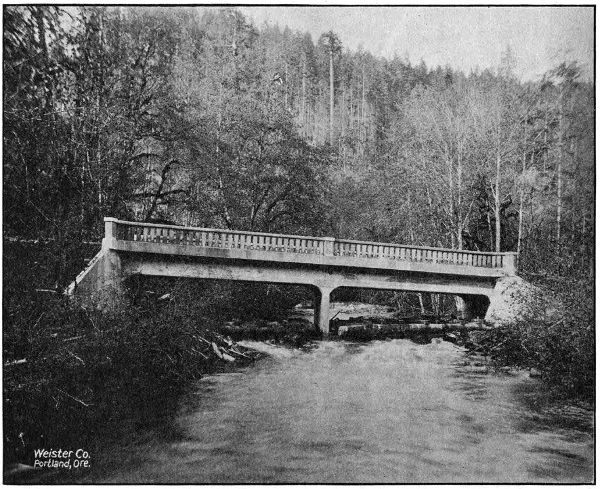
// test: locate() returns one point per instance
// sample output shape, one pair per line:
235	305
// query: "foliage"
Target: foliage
561	346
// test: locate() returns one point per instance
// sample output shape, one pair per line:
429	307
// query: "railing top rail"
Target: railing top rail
315	238
213	230
495	253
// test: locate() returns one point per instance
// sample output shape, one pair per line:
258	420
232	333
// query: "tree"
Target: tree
331	42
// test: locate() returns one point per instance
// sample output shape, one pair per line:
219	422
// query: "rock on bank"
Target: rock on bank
515	299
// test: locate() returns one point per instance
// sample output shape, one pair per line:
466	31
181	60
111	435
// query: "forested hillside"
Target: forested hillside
198	117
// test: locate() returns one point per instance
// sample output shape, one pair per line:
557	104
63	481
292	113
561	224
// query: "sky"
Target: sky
466	38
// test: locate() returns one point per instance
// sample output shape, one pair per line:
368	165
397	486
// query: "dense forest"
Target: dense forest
198	117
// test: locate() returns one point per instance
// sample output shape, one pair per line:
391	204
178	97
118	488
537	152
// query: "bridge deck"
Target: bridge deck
277	248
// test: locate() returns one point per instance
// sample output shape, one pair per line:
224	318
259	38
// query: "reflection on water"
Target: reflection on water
386	411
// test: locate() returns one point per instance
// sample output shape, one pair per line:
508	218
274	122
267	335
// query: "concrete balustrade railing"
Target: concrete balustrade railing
365	249
280	243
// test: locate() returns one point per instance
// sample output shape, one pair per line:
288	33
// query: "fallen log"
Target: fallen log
363	329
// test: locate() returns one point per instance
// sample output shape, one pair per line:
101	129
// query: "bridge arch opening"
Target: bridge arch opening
418	304
228	300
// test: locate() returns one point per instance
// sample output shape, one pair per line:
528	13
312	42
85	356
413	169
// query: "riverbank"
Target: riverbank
84	376
559	347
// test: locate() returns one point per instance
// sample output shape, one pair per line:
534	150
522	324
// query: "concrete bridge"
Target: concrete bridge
324	264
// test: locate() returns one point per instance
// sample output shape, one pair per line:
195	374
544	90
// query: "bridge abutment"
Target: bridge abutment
110	282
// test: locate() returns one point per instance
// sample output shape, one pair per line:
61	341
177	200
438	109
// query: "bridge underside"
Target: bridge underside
323	278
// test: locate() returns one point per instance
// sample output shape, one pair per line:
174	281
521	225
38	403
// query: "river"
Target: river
385	411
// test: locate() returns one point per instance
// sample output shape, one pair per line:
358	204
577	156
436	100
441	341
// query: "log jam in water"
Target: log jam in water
385	411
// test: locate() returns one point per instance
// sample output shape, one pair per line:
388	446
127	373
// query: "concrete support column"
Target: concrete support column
322	300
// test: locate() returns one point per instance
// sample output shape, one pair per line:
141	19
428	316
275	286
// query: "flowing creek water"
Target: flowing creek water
384	411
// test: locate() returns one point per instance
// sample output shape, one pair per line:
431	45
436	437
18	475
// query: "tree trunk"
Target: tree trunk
497	202
362	125
331	96
304	118
459	216
285	88
559	180
421	303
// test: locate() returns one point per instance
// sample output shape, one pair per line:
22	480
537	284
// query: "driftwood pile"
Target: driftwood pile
211	346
